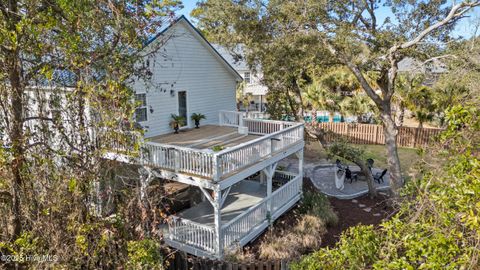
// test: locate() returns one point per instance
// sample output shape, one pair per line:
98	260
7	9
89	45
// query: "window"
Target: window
141	110
246	77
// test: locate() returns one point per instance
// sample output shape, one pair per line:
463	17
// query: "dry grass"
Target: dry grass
306	235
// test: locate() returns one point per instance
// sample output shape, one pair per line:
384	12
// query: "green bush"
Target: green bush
437	225
317	204
356	250
144	254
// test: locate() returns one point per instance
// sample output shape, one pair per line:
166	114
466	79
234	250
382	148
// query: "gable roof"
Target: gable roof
202	39
238	64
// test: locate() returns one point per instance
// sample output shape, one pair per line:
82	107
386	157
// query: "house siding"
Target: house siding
186	63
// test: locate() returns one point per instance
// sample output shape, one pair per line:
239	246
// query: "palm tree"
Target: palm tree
317	97
357	105
420	102
405	84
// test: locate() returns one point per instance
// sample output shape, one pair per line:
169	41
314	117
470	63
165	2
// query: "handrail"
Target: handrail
175	218
270	121
183	148
246	212
262	138
289	183
211	164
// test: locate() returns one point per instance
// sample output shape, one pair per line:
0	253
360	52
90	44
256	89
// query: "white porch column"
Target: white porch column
262	177
299	155
269	171
217	205
269	193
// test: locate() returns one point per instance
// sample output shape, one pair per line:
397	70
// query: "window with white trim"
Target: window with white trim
141	110
247	77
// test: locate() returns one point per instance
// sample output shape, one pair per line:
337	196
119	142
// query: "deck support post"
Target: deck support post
299	155
218	221
262	177
269	171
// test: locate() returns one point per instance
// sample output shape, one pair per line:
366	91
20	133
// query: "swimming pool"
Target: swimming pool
324	119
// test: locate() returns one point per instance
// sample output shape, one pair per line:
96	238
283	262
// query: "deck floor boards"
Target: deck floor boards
204	137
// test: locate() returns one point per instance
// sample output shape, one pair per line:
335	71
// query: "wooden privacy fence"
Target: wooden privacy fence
184	262
373	134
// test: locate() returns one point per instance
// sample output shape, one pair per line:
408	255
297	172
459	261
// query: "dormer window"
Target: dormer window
247	77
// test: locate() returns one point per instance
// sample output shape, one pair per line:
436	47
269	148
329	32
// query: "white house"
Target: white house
252	80
189	76
231	159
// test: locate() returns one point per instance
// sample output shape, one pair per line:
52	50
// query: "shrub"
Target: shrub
437	224
317	204
310	230
305	236
144	254
356	250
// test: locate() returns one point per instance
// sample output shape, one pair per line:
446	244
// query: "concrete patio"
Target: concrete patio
322	175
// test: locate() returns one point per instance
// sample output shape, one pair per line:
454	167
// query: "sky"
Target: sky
463	28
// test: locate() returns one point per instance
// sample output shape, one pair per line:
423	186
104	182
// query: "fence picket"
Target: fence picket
373	134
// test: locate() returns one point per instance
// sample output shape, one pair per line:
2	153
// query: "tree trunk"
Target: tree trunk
319	134
372	191
401	116
17	138
314	116
420	124
390	131
330	117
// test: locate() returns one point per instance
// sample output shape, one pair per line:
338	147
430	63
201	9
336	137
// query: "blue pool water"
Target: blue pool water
324	119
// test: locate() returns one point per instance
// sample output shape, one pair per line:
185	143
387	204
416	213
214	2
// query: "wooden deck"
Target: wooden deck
242	196
204	137
248	211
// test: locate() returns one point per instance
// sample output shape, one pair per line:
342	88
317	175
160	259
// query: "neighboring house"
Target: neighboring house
189	76
252	81
432	70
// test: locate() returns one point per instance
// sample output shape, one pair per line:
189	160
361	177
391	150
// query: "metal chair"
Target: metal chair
379	176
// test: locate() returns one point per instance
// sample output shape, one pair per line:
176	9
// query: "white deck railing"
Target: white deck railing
241	226
180	159
238	229
192	233
248	153
285	193
230	118
276	136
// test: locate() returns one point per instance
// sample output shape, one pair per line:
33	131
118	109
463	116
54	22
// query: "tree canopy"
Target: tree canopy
289	38
65	69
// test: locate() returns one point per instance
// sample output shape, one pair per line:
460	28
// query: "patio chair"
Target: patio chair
379	176
370	162
350	176
339	164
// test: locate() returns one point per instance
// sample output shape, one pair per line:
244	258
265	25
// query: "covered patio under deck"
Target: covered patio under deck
246	212
241	197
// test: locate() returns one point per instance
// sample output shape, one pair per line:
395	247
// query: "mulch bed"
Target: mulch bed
350	214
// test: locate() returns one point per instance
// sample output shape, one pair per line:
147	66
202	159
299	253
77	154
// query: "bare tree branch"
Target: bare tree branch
456	12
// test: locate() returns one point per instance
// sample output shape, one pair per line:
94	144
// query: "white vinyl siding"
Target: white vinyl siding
185	63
